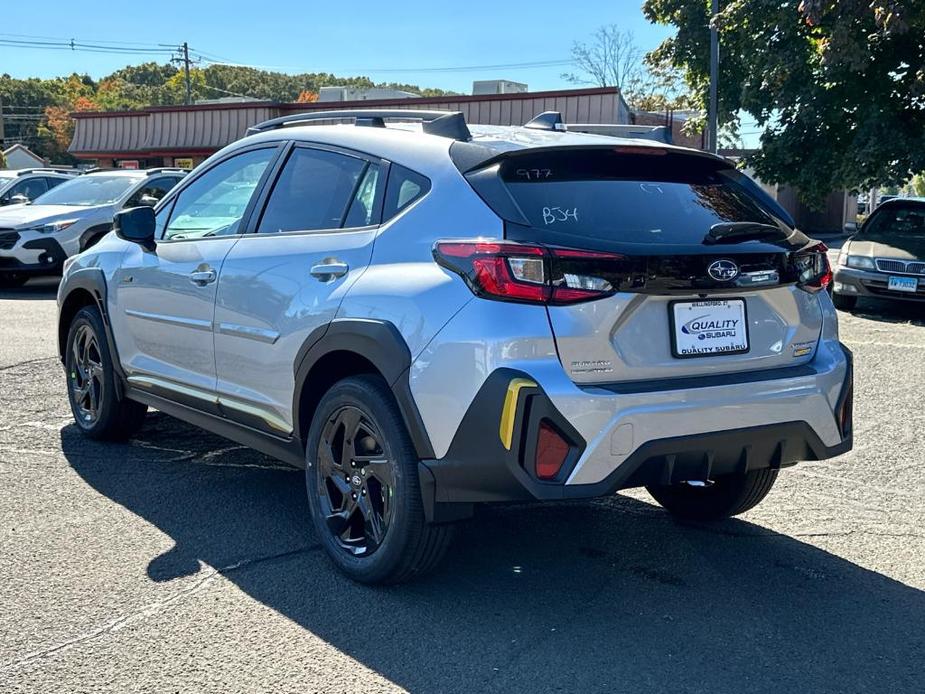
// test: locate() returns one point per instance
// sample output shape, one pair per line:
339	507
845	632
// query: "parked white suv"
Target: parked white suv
20	186
36	238
428	317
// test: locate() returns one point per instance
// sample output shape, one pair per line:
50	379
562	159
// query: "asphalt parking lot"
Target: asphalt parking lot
181	562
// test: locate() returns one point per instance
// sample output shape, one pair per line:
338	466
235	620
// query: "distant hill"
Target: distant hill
36	110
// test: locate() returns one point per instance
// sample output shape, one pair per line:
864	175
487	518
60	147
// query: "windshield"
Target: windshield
629	198
897	220
87	190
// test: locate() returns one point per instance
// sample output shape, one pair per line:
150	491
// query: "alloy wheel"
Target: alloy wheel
355	481
86	375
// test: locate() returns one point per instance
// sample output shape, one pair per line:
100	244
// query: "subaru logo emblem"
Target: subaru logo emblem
356	481
723	270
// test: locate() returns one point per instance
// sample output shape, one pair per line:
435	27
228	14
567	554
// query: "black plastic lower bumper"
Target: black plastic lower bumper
478	469
51	259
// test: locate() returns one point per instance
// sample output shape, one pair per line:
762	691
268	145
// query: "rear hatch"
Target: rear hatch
669	264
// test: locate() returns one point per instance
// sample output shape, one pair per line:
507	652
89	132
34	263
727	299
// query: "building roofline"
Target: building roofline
365	103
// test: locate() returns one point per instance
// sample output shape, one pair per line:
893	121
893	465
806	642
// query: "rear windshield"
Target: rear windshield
629	198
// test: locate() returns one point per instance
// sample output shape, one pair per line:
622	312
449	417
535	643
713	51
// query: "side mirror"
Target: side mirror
148	200
20	199
135	225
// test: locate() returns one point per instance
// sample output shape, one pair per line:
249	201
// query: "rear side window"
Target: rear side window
314	191
627	198
405	186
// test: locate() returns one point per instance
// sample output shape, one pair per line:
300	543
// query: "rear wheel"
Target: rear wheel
98	410
844	302
363	489
726	496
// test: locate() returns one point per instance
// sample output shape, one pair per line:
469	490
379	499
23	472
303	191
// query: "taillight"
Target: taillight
529	273
813	270
551	451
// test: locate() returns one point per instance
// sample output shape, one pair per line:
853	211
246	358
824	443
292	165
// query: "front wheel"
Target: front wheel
724	497
363	490
98	410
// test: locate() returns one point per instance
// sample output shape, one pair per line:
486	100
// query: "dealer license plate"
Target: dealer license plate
708	328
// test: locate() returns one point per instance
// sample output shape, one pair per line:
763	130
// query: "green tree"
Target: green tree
837	86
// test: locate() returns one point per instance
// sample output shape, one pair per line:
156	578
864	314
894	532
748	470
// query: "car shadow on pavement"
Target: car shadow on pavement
594	596
886	311
41	288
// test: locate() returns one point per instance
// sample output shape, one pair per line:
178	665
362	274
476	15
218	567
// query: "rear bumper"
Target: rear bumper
853	282
637	439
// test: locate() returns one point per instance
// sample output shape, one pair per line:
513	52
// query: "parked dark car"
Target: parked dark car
886	258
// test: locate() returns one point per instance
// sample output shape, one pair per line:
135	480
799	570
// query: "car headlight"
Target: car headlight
861	262
53	227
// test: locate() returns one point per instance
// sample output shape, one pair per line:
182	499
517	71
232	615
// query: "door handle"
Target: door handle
202	277
329	270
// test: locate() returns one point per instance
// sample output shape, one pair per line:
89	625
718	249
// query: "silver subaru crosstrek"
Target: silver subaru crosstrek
427	316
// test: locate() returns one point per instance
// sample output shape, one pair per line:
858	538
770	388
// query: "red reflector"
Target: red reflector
551	452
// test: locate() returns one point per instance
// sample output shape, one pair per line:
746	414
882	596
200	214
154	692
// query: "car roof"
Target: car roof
406	144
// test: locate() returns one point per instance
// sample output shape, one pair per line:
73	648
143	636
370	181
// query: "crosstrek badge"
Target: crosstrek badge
708	328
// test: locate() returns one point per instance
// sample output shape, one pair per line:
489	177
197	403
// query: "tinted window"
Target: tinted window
31	188
628	198
93	189
214	203
313	191
52	182
153	190
405	186
897	220
363	206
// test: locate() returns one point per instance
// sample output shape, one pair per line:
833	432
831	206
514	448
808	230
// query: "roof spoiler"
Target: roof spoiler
450	124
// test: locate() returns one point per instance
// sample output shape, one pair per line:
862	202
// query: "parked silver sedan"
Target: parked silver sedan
886	258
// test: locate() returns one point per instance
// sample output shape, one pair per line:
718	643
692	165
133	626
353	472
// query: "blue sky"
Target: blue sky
346	38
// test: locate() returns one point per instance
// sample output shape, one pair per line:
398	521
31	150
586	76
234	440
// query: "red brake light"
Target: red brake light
530	273
551	452
814	271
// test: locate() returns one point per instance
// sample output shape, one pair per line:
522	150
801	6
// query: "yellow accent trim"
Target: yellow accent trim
509	413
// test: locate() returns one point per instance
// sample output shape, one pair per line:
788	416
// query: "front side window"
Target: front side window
31	188
152	191
214	204
88	190
314	191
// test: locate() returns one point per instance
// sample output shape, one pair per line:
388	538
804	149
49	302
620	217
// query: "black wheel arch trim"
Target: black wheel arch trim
92	281
380	343
97	230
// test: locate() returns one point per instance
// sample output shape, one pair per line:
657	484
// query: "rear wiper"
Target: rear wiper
735	232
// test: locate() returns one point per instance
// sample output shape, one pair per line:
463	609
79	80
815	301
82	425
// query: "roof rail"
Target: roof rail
45	169
451	124
547	120
163	169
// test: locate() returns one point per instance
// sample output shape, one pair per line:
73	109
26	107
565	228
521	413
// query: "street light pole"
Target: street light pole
714	81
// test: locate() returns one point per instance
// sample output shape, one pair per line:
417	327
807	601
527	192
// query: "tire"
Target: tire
843	302
12	281
357	450
725	497
91	382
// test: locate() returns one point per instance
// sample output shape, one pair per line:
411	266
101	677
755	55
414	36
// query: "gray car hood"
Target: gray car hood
908	247
30	215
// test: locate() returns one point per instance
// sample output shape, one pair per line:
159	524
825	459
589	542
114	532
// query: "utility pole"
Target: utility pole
189	87
714	81
2	133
